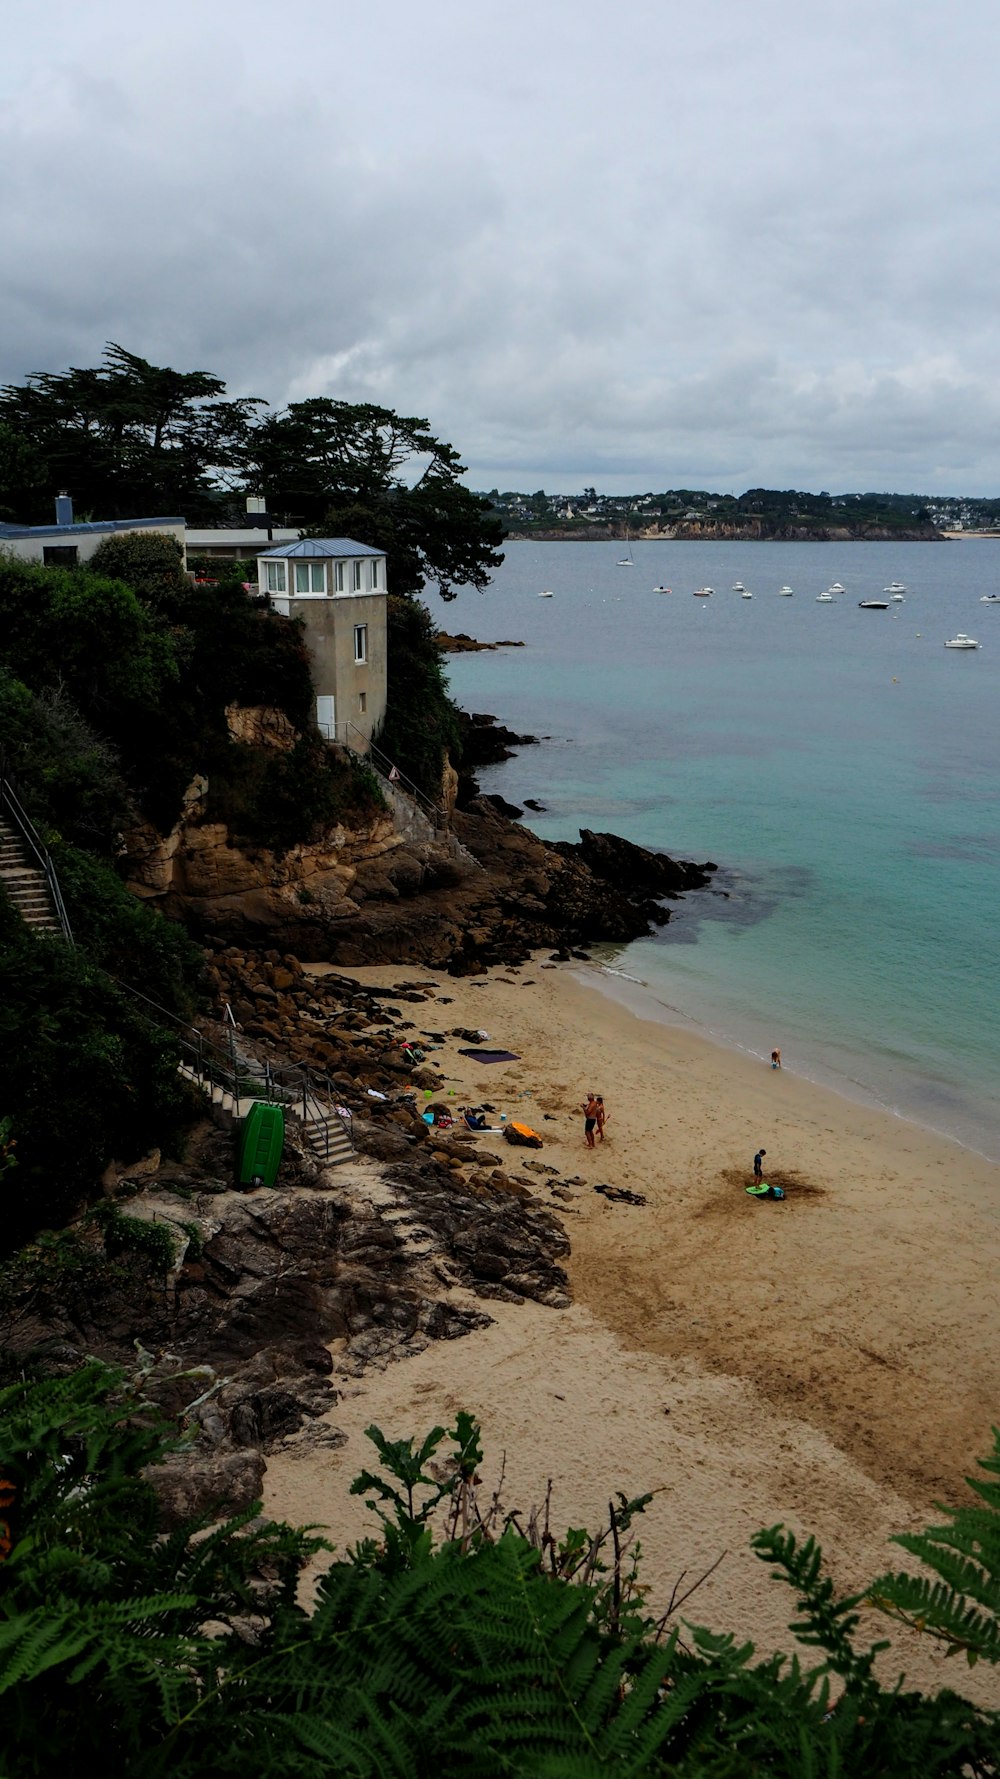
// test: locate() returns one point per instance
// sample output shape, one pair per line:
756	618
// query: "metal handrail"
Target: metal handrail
10	801
390	771
287	1084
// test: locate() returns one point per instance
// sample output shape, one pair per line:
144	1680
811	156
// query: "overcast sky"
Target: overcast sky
642	245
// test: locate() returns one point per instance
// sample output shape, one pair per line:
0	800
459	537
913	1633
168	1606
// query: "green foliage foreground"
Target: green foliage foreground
495	1651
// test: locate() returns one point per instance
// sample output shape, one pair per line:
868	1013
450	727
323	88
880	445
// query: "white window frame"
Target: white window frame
357	574
374	574
338	577
314	575
275	577
360	644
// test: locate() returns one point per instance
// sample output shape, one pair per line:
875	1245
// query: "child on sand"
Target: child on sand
775	1059
758	1164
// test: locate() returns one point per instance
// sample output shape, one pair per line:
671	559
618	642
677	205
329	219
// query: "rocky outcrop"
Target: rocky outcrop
647	873
463	644
482	891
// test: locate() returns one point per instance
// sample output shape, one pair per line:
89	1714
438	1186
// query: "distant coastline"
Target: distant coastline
753	532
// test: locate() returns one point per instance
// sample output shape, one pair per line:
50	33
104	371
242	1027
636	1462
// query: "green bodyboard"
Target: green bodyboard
262	1141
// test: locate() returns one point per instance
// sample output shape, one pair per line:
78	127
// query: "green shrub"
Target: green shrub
421	722
490	1652
85	1077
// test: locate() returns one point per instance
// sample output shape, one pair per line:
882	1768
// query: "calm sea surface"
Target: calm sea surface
841	766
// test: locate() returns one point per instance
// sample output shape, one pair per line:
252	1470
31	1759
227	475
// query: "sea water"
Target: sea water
839	765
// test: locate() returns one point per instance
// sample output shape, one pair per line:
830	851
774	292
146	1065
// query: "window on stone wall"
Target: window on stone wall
60	555
338	577
274	577
357	577
362	702
361	642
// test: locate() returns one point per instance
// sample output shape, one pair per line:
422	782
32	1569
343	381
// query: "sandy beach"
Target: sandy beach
828	1360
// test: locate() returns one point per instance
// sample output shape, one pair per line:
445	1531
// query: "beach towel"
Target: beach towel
523	1134
491	1055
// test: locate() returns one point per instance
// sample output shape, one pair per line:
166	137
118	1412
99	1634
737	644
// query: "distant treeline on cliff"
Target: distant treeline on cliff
693	513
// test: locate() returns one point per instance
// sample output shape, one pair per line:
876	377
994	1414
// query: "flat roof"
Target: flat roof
255	534
84	529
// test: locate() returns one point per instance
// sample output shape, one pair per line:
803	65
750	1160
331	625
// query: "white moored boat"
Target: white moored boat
547	594
704	592
746	593
786	592
873	605
961	641
894	587
738	587
990	599
835	587
662	589
825	599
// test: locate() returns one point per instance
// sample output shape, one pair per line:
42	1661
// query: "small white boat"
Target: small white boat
738	587
704	592
961	641
835	587
662	589
894	587
547	594
990	599
873	605
896	598
746	593
825	599
786	592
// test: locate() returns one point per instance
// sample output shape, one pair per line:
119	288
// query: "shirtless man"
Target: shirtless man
590	1109
602	1117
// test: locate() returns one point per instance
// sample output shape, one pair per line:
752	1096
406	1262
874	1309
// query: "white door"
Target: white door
326	720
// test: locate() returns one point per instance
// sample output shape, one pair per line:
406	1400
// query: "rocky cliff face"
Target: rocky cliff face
480	891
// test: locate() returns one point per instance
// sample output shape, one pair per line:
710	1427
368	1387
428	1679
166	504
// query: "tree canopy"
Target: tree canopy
130	439
127	439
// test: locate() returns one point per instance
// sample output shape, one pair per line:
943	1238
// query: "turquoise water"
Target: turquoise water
839	765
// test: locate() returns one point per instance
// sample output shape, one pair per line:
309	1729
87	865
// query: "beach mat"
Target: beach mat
491	1055
523	1134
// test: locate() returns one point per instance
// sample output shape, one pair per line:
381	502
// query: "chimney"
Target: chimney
64	509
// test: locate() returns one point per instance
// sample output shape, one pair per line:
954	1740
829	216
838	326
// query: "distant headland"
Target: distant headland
760	514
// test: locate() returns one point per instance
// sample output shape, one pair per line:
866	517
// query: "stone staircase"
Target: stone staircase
25	882
325	1134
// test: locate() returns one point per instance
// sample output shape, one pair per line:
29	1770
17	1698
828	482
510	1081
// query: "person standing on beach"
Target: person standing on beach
602	1117
589	1118
775	1059
758	1164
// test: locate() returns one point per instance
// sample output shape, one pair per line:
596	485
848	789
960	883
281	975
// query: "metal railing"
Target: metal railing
309	1094
12	805
351	736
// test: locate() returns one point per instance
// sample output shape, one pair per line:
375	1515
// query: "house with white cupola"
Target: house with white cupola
338	588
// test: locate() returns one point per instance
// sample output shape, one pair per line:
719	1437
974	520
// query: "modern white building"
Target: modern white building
338	588
66	544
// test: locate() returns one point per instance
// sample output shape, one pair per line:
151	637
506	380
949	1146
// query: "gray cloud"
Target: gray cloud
669	245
